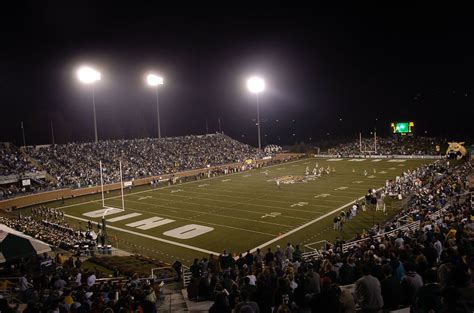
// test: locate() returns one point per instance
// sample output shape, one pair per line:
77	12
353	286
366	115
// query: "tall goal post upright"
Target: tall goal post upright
102	184
121	185
107	208
375	143
102	188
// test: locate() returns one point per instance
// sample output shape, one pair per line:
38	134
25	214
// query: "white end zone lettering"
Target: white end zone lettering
188	231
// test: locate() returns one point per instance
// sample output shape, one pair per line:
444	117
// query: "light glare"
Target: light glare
154	80
88	75
255	84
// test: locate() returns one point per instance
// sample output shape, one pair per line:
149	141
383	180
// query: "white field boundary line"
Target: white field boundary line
305	225
151	237
171	186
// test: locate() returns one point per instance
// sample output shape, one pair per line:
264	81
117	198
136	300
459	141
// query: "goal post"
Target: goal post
375	144
102	191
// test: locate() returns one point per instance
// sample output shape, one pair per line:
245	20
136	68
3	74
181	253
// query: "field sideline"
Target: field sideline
243	210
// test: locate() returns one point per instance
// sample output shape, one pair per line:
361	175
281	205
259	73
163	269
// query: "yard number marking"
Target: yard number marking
272	214
150	223
100	213
143	198
299	204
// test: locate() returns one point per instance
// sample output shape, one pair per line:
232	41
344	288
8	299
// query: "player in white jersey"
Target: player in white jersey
365	173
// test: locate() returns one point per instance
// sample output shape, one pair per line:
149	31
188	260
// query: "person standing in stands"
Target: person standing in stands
368	292
391	290
289	252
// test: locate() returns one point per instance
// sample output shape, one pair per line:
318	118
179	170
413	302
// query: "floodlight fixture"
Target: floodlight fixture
154	80
255	84
88	75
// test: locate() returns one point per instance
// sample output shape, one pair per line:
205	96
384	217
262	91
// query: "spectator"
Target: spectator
368	292
410	284
390	287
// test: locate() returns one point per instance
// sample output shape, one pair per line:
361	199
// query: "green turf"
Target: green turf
234	205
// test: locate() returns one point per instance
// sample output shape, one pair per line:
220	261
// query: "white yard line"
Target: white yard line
304	225
208	213
239	203
151	237
233	208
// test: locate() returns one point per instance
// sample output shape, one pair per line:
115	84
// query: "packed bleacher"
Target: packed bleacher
48	225
77	164
13	162
407	145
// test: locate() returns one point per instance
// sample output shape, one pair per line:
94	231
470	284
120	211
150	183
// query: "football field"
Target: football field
243	210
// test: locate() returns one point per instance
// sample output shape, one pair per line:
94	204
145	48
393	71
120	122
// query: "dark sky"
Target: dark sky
320	65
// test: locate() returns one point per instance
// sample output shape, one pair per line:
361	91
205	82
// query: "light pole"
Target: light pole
256	85
154	81
88	75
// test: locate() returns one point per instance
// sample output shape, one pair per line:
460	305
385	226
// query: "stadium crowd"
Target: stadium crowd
429	269
62	285
408	145
12	162
77	164
48	225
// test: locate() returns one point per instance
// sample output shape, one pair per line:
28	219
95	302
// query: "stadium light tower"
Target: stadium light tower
155	81
256	85
89	76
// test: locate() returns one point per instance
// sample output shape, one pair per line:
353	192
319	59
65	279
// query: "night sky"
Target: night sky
328	71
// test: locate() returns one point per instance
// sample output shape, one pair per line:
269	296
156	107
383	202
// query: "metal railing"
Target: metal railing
412	226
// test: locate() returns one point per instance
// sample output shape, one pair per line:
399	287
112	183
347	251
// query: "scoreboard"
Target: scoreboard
402	128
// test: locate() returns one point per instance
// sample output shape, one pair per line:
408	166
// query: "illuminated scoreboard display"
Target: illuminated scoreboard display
402	128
